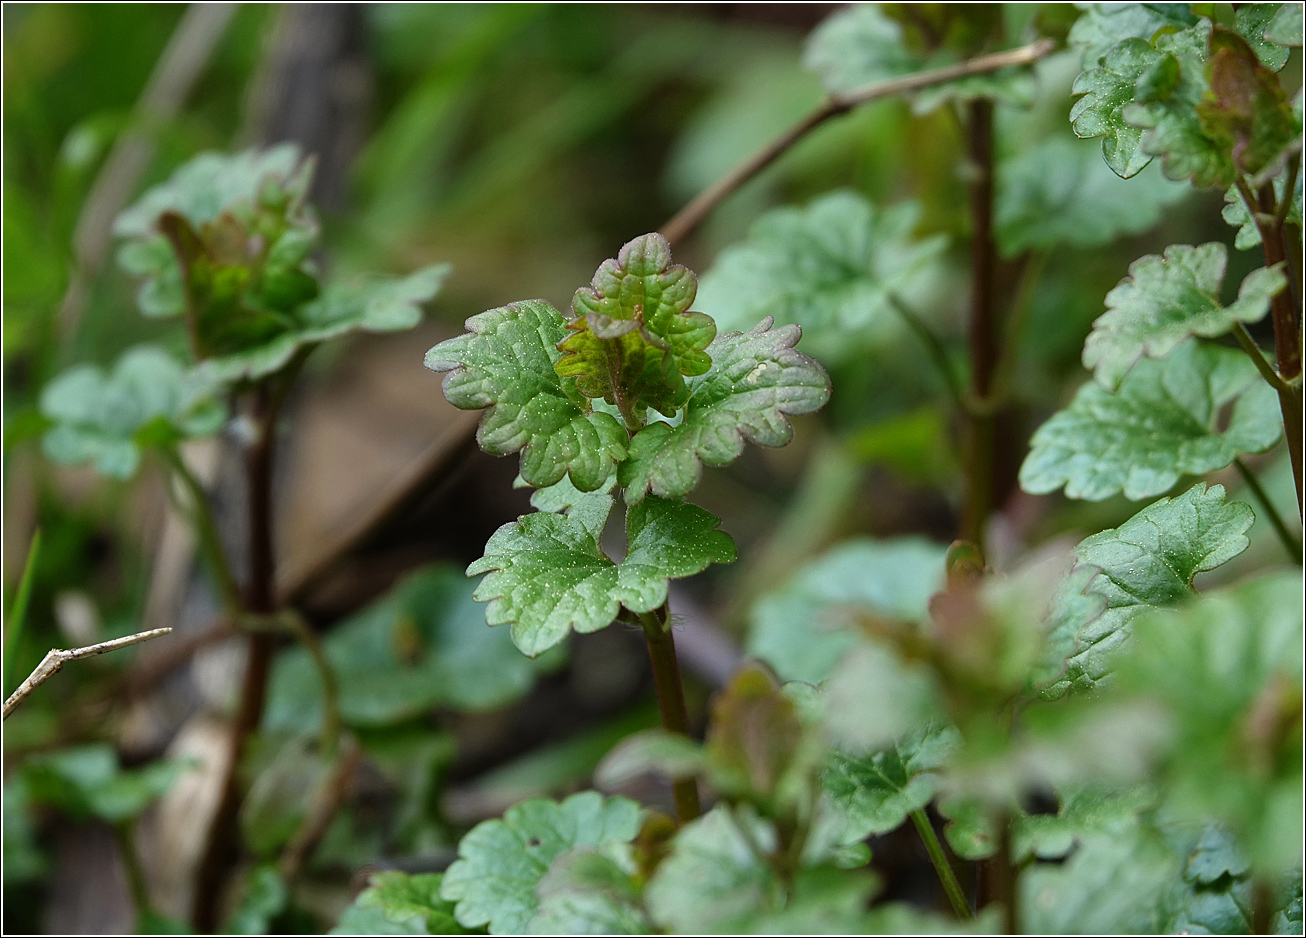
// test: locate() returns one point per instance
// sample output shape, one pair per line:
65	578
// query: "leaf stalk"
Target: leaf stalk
941	866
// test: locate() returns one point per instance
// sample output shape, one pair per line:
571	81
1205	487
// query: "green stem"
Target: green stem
1290	543
131	863
209	539
941	866
302	631
1258	359
671	700
18	614
1016	322
933	345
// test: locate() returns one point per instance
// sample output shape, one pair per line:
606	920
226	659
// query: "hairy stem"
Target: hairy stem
671	700
1290	543
985	329
941	866
222	847
688	218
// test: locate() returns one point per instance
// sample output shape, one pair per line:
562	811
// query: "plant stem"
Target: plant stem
671	700
1005	876
18	614
941	866
222	847
1286	317
688	218
981	428
131	862
1272	515
209	538
1258	358
938	354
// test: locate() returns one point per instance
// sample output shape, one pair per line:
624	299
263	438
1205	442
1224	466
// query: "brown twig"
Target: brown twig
689	217
178	68
56	658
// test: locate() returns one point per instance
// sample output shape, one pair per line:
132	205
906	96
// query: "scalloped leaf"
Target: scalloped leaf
505	362
406	903
500	862
1161	423
1107	90
634	337
1147	562
1252	21
877	792
1236	215
147	400
1061	192
861	45
1102	25
1166	299
378	304
587	893
547	574
829	267
1285	29
757	381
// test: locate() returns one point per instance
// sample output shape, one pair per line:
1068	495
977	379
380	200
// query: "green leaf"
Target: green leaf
669	754
861	46
1246	110
1161	423
264	896
423	645
1102	25
634	337
877	792
1083	811
1285	28
1113	884
1148	561
830	268
1253	21
1060	192
548	574
148	399
801	630
288	772
1167	298
401	903
757	381
587	893
825	900
713	881
1236	214
378	304
1107	90
1228	671
969	829
505	362
875	697
501	861
88	781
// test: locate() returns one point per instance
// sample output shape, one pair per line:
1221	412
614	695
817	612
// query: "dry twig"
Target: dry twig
56	658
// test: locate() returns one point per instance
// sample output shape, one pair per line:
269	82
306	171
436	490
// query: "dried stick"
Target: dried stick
689	217
56	658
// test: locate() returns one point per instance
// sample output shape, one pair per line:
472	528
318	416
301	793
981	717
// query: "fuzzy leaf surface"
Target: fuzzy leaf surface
1160	423
500	862
505	362
876	792
148	399
634	336
1107	90
1149	561
1167	298
547	574
829	267
757	381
